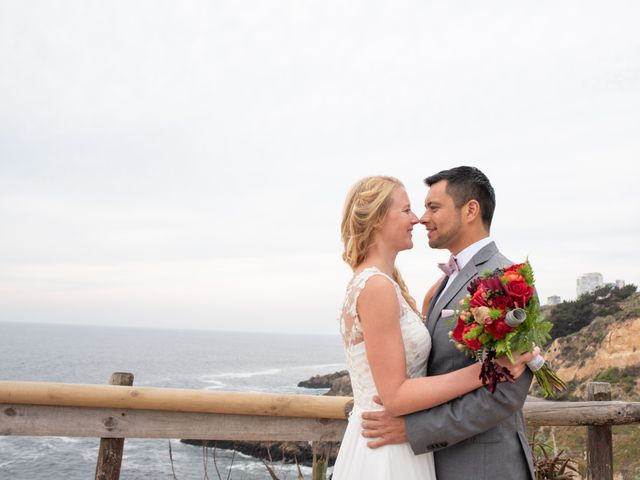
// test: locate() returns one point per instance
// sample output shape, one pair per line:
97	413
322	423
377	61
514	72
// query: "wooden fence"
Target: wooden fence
117	411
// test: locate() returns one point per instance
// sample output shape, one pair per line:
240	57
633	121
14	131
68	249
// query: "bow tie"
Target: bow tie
449	268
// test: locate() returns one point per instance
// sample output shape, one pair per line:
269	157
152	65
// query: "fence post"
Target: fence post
599	439
110	453
320	460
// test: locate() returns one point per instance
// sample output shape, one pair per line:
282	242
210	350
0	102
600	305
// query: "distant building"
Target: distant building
589	282
553	300
620	283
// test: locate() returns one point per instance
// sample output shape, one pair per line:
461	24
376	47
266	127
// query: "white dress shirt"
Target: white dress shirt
464	257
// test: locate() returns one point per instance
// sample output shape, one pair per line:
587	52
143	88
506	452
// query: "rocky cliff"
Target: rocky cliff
608	349
600	346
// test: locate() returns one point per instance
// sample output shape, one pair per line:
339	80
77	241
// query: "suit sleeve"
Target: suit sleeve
464	417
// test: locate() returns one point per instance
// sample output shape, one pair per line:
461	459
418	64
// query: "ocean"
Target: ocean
261	362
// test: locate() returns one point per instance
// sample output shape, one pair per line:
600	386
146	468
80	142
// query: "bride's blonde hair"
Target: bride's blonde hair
365	209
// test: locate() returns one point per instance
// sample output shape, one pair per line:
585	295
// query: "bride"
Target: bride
386	342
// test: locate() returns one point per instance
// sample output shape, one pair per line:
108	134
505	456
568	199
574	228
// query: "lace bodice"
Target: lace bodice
417	342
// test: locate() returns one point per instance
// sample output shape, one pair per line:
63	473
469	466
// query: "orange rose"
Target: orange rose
513	277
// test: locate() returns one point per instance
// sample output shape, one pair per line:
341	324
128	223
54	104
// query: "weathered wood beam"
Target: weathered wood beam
39	420
581	413
174	399
17	419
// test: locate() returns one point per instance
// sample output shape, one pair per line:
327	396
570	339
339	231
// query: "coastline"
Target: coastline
338	384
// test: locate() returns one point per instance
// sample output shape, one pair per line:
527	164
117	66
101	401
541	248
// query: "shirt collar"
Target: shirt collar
467	254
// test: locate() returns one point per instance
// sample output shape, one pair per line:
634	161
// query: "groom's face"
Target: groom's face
441	218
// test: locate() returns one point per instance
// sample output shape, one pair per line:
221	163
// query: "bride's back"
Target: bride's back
417	342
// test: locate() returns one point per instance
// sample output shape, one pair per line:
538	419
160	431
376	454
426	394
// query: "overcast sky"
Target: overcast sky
184	164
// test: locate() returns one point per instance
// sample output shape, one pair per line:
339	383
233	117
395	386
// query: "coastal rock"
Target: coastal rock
338	383
341	386
285	452
322	381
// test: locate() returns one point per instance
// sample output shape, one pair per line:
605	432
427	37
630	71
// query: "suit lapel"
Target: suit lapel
435	298
458	283
462	279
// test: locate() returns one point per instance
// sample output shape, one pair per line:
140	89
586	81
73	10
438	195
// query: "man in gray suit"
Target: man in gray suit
479	435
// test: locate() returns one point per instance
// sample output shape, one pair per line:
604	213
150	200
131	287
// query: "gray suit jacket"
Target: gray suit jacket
479	435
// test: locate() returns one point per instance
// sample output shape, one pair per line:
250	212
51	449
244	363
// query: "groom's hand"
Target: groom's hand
383	427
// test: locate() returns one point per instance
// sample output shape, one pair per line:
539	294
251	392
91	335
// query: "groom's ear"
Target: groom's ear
471	211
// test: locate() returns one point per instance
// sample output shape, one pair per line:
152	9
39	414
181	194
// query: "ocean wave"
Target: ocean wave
215	385
213	378
259	373
217	366
68	439
319	366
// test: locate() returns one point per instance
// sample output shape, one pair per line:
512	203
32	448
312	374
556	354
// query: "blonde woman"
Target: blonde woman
386	342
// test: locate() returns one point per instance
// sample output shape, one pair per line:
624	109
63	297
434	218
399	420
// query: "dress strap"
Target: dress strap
350	326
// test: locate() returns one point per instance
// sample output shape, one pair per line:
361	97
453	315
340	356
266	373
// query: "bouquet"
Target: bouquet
499	316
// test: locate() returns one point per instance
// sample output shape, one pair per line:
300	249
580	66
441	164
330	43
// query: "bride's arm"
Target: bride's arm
378	310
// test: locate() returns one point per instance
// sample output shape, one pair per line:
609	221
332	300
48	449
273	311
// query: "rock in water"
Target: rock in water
322	381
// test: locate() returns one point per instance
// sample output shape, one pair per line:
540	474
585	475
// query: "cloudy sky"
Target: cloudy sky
184	164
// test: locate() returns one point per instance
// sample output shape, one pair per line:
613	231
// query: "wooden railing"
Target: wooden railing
109	411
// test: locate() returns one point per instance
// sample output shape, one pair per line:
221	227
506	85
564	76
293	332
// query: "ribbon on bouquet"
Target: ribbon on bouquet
536	364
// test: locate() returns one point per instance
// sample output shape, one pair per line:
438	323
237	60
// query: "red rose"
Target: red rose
498	329
515	267
458	331
502	302
520	292
472	343
479	298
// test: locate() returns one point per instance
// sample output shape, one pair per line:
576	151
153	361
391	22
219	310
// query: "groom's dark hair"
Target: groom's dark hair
468	183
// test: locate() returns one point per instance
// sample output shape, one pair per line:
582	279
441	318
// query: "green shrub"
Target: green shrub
626	377
569	317
609	375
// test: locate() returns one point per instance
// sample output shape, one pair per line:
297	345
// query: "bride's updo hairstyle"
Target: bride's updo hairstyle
365	209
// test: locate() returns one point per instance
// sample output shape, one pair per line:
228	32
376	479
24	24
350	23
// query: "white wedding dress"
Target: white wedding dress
355	460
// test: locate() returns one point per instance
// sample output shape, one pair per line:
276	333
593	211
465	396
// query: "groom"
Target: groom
479	435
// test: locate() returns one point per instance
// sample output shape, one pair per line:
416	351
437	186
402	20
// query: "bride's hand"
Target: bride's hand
520	362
